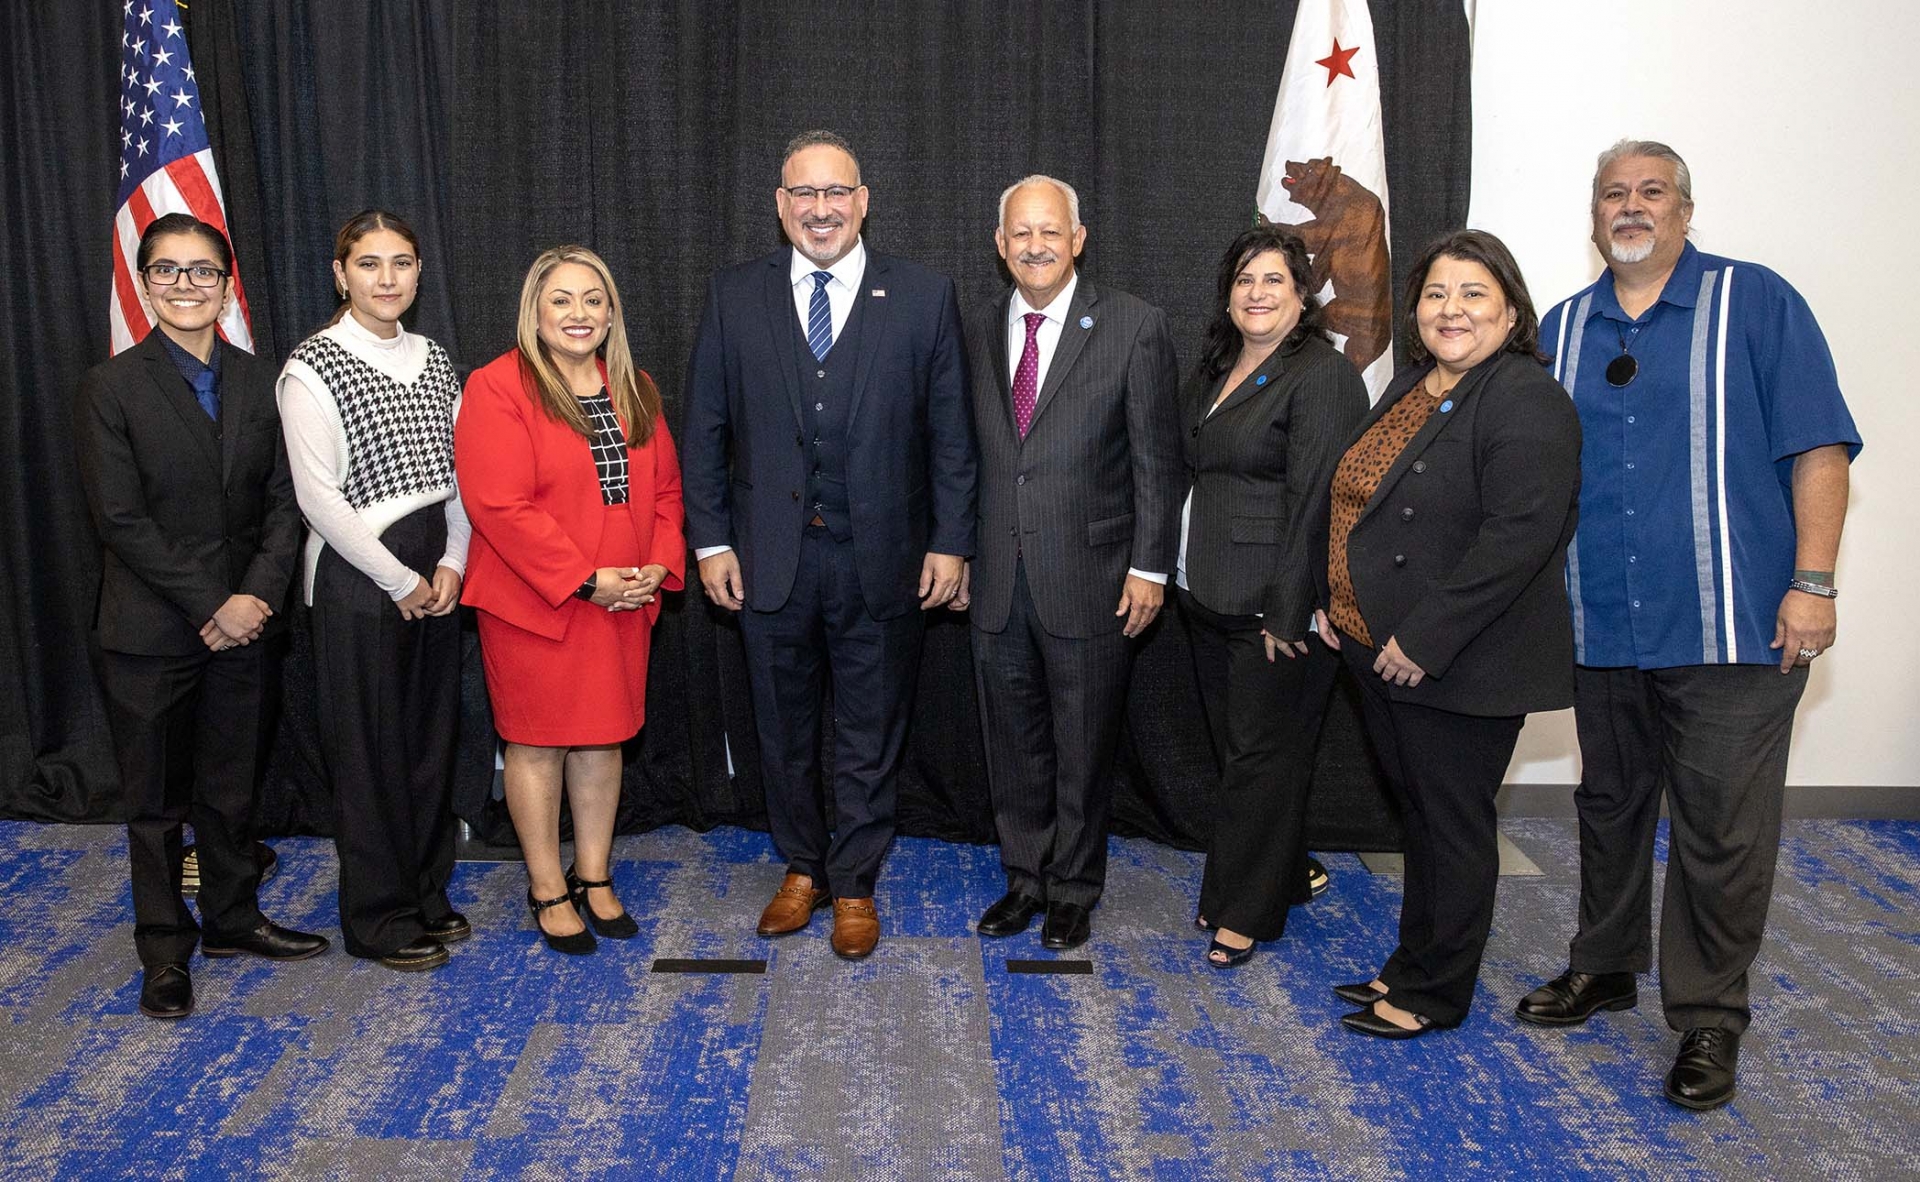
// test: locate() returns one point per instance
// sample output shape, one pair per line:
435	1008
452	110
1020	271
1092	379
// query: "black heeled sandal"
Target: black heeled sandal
620	927
578	944
1230	957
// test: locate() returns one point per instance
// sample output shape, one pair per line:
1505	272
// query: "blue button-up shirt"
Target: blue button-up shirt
1686	538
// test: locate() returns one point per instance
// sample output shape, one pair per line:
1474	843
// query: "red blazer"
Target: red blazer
529	486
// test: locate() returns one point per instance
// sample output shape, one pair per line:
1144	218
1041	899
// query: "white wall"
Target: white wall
1801	124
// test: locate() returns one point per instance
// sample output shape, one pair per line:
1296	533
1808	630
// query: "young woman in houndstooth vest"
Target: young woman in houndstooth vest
368	411
573	484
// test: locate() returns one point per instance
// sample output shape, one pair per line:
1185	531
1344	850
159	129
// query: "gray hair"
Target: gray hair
815	139
1073	198
1682	179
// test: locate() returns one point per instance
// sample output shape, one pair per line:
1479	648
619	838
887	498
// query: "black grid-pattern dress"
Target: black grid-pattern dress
609	447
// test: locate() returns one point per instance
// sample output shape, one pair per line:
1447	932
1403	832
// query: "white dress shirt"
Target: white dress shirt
841	290
1045	342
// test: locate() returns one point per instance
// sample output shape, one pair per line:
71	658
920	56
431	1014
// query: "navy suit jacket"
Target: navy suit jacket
910	463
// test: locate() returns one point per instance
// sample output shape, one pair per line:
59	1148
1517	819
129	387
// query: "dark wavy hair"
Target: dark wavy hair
361	224
1476	246
1223	339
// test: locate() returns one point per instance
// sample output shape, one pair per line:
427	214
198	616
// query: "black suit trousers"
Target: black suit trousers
825	634
1443	770
389	717
190	732
1051	708
1264	718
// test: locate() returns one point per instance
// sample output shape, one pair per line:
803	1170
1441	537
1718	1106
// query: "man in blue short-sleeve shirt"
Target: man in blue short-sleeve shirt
1713	489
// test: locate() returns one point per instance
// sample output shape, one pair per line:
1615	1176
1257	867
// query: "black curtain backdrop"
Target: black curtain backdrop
652	133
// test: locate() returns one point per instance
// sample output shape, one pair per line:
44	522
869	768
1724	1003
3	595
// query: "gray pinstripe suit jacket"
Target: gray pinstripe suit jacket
1094	487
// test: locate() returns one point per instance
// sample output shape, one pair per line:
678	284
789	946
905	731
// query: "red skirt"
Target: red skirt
587	689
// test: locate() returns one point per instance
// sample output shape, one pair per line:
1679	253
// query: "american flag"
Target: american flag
166	165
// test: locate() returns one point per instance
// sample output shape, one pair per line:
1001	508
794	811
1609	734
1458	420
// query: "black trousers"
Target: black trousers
824	634
1713	739
1443	770
1051	707
389	713
190	734
1264	718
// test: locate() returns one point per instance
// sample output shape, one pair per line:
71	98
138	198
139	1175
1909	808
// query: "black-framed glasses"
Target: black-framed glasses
835	194
168	274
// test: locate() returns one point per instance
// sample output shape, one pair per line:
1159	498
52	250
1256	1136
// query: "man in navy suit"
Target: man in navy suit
836	377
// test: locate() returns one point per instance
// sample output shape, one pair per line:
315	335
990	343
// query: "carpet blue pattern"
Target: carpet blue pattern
931	1060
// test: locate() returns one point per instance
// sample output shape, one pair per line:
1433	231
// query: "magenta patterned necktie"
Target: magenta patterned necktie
1026	379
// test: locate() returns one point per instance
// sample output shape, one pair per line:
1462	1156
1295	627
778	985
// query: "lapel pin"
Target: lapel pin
1086	322
1446	406
1261	380
878	293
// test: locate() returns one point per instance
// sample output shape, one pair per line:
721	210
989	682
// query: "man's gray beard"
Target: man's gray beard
1632	254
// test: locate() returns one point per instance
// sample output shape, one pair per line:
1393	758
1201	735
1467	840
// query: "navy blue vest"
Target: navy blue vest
826	394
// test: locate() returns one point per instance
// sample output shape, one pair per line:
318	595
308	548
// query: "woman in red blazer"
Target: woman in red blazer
569	476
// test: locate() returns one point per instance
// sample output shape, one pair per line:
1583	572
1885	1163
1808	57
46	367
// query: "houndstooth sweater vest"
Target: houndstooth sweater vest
400	437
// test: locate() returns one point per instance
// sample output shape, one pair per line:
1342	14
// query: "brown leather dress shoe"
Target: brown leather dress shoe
856	927
792	906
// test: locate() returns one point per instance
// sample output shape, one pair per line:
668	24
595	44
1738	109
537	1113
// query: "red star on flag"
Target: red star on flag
1337	61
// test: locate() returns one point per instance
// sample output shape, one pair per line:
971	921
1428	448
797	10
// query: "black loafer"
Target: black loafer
269	941
166	991
417	956
1703	1071
1360	993
1067	926
1010	916
1367	1022
449	929
1571	998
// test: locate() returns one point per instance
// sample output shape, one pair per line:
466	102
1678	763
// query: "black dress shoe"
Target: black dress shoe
269	941
166	991
1360	993
620	927
1703	1072
579	943
449	929
1367	1022
1067	926
1571	998
417	956
1010	916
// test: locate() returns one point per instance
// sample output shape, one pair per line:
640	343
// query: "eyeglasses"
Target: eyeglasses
835	194
168	274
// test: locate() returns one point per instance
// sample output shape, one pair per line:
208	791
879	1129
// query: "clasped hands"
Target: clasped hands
240	620
435	597
627	588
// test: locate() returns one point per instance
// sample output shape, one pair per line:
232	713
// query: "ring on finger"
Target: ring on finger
1808	654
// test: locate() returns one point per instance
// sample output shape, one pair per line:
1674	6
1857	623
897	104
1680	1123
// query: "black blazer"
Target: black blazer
1094	487
910	457
1461	552
189	511
1254	465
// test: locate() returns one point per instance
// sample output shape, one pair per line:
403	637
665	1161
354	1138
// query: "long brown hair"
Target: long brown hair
635	398
359	226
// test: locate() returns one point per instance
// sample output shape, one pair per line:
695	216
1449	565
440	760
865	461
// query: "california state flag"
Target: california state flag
1325	174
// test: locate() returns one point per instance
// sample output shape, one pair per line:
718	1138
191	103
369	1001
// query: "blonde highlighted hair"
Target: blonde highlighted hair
635	398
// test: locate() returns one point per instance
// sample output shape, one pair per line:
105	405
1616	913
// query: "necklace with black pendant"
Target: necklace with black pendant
1622	369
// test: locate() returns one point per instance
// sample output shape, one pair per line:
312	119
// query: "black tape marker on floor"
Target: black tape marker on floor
668	964
1076	967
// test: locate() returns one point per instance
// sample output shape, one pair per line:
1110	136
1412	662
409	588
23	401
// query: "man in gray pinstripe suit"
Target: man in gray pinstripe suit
1074	404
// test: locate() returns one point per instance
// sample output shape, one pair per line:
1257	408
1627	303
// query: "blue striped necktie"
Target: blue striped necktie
820	317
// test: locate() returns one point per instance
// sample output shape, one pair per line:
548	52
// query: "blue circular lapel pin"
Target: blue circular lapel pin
1261	380
1446	406
1086	322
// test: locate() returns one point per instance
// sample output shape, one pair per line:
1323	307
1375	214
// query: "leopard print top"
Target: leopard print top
1354	481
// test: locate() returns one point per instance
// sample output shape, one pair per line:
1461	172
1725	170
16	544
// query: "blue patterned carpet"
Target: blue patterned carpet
930	1060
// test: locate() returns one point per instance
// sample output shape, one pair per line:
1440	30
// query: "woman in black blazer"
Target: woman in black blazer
1268	409
1440	551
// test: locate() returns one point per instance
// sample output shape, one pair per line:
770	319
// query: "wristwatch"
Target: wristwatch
587	588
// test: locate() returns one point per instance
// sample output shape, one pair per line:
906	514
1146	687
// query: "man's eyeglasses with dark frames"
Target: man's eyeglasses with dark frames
835	194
